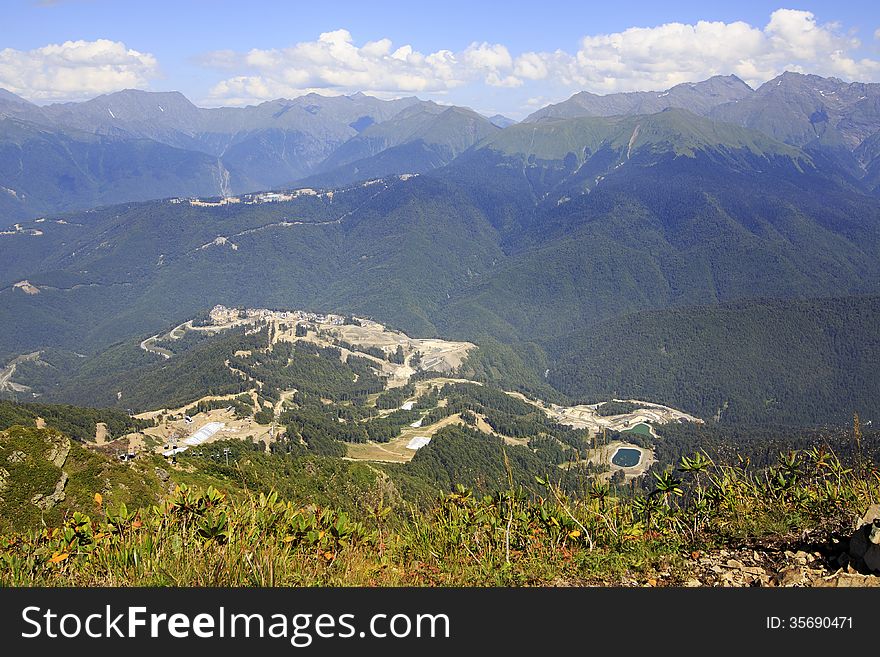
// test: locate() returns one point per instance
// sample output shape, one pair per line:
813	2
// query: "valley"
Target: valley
258	413
540	243
6	374
362	341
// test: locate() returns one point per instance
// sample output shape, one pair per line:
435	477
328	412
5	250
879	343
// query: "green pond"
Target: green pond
626	458
641	428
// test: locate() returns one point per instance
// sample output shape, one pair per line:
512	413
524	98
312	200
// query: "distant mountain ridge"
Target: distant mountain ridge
837	122
251	148
696	97
522	244
799	109
46	170
501	121
246	149
420	138
340	140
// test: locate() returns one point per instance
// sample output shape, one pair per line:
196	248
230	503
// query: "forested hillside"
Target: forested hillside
538	243
808	362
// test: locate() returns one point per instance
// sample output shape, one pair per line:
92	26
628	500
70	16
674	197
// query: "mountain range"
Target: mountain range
606	246
697	97
117	147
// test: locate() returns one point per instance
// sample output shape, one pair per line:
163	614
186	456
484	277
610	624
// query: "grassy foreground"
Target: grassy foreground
206	538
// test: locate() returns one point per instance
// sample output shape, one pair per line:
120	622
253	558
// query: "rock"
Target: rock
864	544
59	448
872	514
858	543
733	563
792	576
802	557
46	502
17	456
872	559
825	582
849	580
162	474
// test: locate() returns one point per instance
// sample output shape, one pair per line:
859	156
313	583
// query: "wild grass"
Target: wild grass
206	538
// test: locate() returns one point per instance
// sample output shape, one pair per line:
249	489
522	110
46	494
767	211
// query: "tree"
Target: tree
398	356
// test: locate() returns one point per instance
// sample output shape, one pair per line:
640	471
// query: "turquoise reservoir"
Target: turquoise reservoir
626	458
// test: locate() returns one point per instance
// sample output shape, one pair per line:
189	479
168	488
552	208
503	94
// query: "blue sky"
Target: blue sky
508	57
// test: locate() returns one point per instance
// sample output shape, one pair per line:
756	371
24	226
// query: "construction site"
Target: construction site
396	357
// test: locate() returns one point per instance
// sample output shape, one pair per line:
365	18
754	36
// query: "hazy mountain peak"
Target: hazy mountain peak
805	109
8	96
466	111
698	97
16	106
419	138
501	121
723	81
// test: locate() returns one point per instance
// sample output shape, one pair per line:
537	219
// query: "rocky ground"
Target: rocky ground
766	566
843	560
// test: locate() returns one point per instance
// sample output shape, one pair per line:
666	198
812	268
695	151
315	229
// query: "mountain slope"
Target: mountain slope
290	135
48	477
148	265
581	219
799	109
682	211
163	146
529	237
699	98
349	138
420	138
821	115
44	170
754	362
16	106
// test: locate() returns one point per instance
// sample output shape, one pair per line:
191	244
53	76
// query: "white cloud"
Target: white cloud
658	57
332	64
638	58
532	66
75	70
